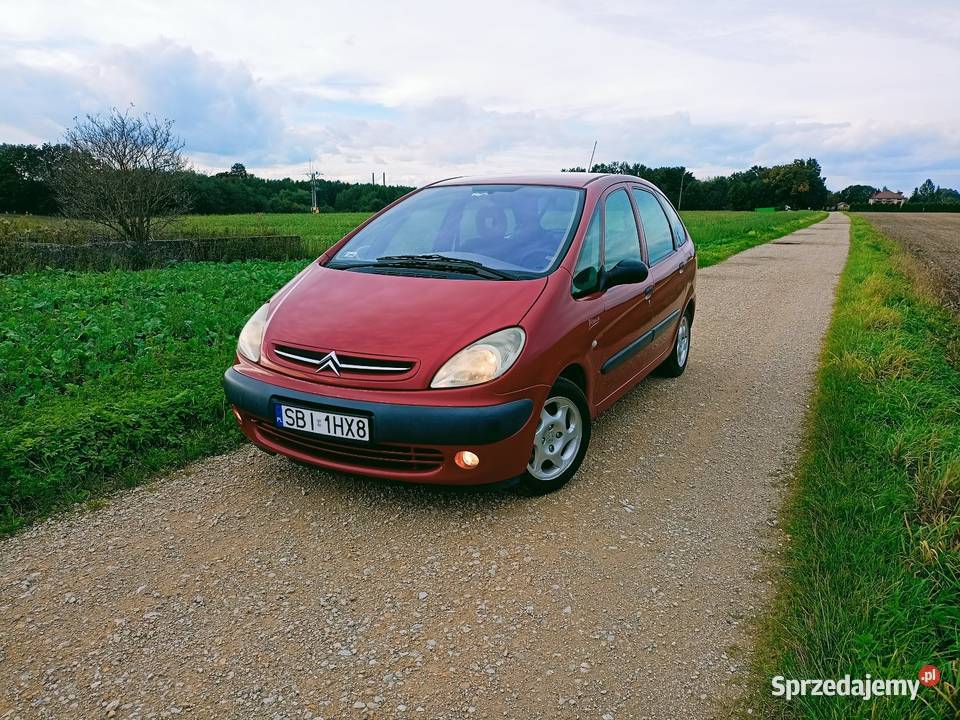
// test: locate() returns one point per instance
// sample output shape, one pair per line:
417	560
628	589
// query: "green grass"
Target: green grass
720	234
320	231
110	377
872	579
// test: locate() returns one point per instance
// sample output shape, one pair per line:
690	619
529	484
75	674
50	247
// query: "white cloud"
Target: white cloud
429	89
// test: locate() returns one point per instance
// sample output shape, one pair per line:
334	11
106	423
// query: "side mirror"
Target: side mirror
625	272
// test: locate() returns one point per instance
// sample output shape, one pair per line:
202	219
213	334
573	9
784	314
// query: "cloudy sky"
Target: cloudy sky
423	90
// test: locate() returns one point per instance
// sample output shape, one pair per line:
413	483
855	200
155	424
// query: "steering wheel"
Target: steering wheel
535	258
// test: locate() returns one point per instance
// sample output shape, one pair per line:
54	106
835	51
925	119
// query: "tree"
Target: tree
23	178
926	193
123	172
856	194
238	170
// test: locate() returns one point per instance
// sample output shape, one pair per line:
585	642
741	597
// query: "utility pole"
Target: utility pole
314	207
373	178
384	178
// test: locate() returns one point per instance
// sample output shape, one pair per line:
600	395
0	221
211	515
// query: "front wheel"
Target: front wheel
560	442
676	363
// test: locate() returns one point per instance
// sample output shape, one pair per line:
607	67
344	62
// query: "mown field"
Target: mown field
872	581
109	377
718	234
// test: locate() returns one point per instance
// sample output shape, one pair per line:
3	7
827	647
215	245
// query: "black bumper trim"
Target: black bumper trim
417	424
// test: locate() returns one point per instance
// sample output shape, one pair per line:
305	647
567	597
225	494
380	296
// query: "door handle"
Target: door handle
647	292
682	265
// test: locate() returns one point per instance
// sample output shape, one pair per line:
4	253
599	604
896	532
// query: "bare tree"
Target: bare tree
124	172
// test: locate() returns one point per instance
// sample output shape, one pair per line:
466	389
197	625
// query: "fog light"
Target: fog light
466	460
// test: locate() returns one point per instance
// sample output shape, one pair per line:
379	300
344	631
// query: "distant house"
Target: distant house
887	197
843	206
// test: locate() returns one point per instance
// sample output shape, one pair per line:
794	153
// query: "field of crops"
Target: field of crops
107	377
112	376
718	234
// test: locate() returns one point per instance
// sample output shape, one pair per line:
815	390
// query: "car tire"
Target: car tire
552	467
676	362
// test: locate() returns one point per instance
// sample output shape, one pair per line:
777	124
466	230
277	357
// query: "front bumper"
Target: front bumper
408	442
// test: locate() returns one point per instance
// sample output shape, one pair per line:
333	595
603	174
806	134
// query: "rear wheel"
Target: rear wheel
676	362
561	440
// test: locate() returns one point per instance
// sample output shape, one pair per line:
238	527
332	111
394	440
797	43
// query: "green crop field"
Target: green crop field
718	234
110	377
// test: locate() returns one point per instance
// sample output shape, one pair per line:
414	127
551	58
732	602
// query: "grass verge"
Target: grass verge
720	234
872	577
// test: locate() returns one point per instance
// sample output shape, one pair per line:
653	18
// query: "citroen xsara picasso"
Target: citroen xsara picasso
469	332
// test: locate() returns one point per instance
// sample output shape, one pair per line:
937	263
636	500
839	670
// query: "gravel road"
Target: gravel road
245	586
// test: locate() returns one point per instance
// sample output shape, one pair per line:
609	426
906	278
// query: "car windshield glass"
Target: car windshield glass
519	229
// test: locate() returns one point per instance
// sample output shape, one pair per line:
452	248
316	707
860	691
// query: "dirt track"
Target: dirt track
248	587
934	239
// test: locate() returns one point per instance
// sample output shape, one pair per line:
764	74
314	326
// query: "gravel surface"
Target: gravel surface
932	238
245	586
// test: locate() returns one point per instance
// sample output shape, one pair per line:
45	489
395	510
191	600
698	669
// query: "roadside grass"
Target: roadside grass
872	577
720	234
110	377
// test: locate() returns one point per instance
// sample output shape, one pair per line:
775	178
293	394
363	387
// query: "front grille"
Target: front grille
381	457
352	364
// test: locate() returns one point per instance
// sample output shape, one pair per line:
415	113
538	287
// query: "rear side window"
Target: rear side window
587	272
679	233
621	241
656	230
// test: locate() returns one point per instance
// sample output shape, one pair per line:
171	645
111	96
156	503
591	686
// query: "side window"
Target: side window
679	233
621	241
587	271
656	229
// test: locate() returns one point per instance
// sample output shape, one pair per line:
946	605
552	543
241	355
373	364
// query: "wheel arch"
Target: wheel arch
575	373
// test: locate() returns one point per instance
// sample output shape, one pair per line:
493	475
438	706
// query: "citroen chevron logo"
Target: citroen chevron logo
330	361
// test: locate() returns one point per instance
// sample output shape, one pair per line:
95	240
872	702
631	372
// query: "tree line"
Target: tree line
29	176
797	185
928	194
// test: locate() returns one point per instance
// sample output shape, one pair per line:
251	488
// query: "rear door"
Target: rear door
666	271
623	342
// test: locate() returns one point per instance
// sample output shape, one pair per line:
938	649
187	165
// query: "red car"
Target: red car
471	331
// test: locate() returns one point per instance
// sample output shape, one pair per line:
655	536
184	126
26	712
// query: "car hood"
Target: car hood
378	315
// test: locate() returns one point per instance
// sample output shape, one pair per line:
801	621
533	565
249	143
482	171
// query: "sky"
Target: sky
427	90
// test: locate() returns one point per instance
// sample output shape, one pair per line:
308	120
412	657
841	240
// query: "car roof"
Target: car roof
564	179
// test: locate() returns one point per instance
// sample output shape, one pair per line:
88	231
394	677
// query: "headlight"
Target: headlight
251	337
484	360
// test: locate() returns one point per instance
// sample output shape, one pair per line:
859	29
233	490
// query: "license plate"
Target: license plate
349	427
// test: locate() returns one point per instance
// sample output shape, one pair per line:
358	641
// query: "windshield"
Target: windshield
519	229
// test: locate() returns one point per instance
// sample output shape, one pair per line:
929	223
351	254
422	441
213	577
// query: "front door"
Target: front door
626	323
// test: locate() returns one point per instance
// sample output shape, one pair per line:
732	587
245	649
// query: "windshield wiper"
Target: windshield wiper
436	262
